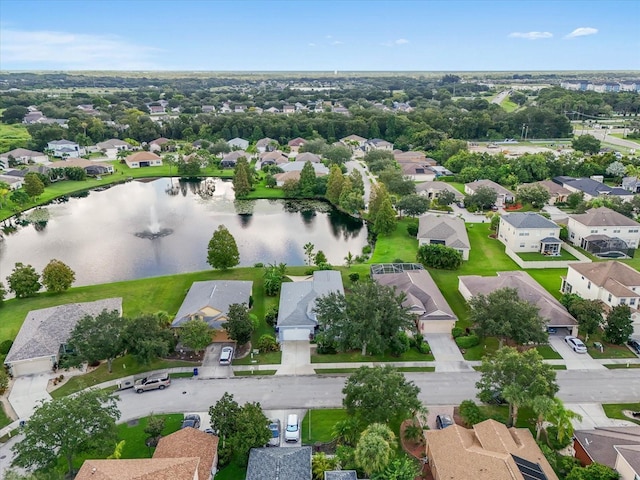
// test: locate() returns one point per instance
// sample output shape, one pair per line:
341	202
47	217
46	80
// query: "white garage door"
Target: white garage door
294	334
31	367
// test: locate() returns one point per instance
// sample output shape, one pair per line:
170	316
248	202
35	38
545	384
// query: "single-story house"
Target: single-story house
592	188
528	289
14	182
295	144
45	332
444	230
297	166
529	232
504	196
210	301
557	193
308	157
230	159
440	171
413	157
296	316
281	178
602	230
612	282
22	155
432	189
187	454
615	447
143	159
159	144
632	184
279	463
273	158
487	451
378	144
65	148
238	143
423	298
417	172
266	144
81	163
353	141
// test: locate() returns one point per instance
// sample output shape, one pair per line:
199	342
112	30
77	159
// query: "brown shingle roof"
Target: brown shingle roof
139	469
605	274
484	452
189	442
550	186
142	156
604	217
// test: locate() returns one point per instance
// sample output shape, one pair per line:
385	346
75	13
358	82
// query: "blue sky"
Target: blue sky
323	35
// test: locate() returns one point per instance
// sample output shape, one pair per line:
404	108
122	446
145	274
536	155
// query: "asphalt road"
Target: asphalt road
604	136
499	98
296	392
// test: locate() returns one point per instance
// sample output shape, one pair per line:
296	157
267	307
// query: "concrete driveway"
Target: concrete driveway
296	358
211	367
27	392
593	416
282	416
446	352
573	360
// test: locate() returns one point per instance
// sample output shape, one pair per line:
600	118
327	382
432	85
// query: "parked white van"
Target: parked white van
292	432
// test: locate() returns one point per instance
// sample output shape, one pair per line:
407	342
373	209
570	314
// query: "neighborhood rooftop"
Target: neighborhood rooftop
604	217
528	220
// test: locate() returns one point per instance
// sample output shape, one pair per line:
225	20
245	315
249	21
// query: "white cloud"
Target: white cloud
395	43
582	31
63	50
531	35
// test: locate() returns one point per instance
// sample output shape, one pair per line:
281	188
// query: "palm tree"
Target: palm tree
349	259
374	450
561	418
345	431
542	407
517	397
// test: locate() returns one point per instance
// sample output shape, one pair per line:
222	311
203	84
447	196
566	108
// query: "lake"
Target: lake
160	227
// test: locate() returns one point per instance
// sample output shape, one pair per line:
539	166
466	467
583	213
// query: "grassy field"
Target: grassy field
538	257
135	437
398	245
620	135
508	105
13	136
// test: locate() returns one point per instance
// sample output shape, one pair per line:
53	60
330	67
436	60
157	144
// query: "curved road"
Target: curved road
604	136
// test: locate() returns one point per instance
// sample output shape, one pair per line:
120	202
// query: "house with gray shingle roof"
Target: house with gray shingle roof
296	315
444	230
549	308
210	301
423	298
280	463
504	195
432	190
45	332
529	232
238	143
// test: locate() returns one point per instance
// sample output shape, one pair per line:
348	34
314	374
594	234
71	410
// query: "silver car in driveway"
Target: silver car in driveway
274	427
575	344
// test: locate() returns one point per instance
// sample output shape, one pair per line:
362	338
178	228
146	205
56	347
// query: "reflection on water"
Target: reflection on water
96	235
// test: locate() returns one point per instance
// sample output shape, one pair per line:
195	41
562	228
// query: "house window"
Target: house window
632	301
609	298
634	230
522	245
589	285
616	231
623	301
573	235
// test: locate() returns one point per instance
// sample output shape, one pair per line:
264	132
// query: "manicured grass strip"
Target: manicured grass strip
4	418
248	373
330	371
549	353
317	425
614	410
616	366
410	356
122	367
538	257
182	375
271	358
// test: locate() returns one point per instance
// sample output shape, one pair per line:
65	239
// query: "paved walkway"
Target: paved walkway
593	416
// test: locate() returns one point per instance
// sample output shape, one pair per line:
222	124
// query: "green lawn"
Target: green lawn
271	358
317	425
508	105
254	374
538	257
13	136
618	366
398	245
609	350
122	367
614	410
620	135
548	353
330	371
4	419
411	356
135	437
232	472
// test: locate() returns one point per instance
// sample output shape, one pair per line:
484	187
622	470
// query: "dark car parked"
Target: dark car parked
443	421
192	421
635	345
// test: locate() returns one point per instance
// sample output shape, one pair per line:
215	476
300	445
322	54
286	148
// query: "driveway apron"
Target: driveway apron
446	352
27	392
573	360
296	358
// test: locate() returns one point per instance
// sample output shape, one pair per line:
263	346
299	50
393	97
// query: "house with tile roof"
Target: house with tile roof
296	315
529	232
615	447
612	282
210	301
444	230
602	230
549	308
487	451
187	454
423	299
504	196
45	332
279	463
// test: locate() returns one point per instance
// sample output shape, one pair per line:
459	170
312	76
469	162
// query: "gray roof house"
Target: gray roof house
528	289
239	143
279	463
423	298
210	301
606	445
444	230
529	232
296	315
592	188
36	348
433	189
